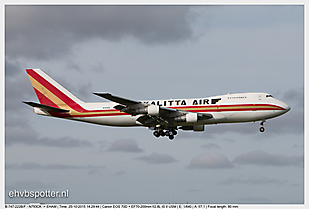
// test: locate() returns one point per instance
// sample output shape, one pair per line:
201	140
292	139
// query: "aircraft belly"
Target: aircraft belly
261	115
110	120
238	117
248	116
226	117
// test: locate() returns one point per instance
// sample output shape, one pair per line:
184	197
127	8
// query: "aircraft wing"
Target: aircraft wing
45	107
117	99
163	115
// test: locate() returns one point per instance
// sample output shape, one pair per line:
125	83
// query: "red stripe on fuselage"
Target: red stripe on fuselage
235	105
193	109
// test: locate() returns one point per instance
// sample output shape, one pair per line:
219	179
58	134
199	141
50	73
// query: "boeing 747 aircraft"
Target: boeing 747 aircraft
164	117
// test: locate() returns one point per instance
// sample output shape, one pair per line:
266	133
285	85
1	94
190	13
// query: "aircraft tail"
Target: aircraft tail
51	93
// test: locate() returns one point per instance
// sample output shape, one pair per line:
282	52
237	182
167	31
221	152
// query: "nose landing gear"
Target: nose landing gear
262	129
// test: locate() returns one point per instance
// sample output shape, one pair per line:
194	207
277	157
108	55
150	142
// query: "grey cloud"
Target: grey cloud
276	126
211	146
17	88
212	130
194	190
258	180
19	134
124	145
119	173
156	158
26	135
238	128
97	67
298	146
251	19
294	96
54	166
63	142
262	158
252	200
31	166
44	32
34	185
229	140
18	131
94	169
292	122
210	161
74	65
12	68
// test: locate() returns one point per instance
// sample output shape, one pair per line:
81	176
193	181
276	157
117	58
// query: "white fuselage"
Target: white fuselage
230	108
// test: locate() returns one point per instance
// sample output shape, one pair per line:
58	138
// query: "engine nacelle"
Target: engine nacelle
189	118
193	128
153	110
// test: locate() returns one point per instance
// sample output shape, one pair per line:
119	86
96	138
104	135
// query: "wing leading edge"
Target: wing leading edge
117	99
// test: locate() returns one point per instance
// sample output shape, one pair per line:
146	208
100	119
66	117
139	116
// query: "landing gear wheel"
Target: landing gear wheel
156	134
171	137
174	132
262	129
161	132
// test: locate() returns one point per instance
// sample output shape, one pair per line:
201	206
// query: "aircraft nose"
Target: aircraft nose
287	108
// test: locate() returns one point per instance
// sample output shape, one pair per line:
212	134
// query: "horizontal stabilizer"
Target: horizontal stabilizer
45	107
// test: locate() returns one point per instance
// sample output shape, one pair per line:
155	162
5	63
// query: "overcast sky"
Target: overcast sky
156	52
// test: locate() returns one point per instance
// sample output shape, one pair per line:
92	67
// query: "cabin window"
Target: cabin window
268	95
239	97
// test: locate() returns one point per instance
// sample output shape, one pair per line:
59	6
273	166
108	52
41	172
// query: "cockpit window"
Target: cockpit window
268	95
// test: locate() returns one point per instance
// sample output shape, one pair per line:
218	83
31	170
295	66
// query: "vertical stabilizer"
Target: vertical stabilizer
51	93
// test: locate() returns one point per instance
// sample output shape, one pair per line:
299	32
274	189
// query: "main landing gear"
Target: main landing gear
169	133
262	129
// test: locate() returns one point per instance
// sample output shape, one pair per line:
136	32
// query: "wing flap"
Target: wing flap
147	120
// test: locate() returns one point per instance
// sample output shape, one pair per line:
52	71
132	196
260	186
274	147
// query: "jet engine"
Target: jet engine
189	118
151	110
